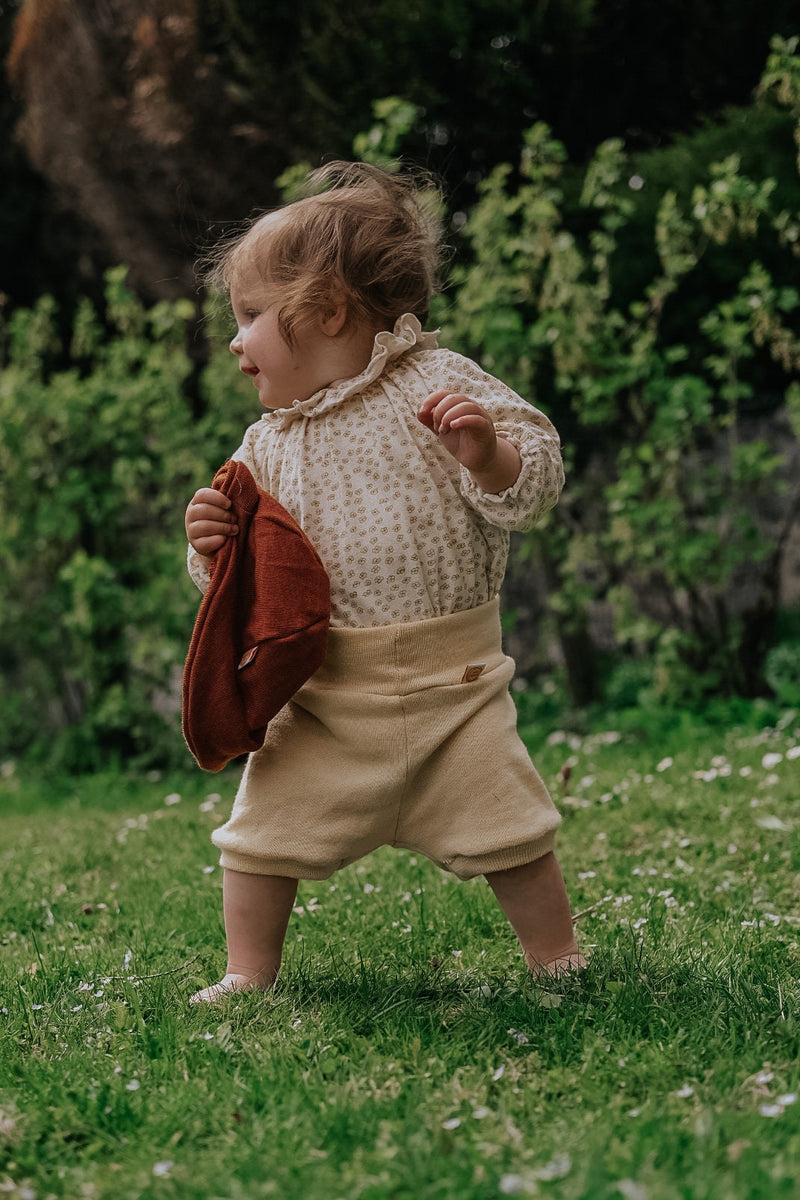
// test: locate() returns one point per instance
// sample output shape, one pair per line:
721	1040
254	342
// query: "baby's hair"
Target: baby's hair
361	234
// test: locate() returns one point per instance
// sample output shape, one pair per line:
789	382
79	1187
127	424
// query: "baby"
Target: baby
406	465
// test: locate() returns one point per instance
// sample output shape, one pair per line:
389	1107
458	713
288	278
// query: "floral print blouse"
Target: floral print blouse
404	532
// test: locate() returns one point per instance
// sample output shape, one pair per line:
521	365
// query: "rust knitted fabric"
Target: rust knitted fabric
261	629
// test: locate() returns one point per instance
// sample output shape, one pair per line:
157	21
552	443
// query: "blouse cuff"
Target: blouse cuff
198	565
474	493
533	493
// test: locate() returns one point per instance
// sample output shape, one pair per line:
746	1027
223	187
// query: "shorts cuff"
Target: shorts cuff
290	868
501	860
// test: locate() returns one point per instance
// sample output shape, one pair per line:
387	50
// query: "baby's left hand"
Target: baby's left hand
464	428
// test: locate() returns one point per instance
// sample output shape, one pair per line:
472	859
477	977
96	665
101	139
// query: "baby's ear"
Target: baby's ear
333	317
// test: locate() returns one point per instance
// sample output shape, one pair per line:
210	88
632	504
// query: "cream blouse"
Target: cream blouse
403	531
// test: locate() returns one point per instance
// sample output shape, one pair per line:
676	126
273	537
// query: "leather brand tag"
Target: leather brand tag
248	657
472	672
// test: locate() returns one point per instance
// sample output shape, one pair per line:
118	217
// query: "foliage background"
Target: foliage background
625	216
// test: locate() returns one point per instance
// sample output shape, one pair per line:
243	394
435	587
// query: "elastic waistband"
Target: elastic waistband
391	659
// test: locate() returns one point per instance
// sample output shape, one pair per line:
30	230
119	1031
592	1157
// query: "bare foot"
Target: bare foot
563	967
226	987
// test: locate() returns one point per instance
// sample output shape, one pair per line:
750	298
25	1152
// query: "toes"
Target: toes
210	995
227	987
219	991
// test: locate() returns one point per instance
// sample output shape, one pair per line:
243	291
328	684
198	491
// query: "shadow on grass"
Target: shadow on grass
634	994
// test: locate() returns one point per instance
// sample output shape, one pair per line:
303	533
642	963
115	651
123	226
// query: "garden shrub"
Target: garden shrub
783	672
675	512
99	456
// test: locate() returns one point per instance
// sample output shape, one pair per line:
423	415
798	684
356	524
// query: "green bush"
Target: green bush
102	442
98	459
664	511
783	671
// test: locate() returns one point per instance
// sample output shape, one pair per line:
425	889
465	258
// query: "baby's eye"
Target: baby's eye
246	316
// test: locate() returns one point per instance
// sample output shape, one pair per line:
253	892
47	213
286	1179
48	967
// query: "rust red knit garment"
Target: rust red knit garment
261	629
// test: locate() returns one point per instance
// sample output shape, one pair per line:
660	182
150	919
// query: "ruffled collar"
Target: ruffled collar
407	335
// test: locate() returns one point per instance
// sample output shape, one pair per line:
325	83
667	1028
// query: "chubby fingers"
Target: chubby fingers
435	406
443	411
211	497
210	520
428	405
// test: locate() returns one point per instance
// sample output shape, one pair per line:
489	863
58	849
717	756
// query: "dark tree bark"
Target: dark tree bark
133	127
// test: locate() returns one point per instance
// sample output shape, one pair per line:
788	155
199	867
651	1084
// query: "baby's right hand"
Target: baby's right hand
209	521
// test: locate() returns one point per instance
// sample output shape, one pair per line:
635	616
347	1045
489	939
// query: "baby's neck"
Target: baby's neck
355	350
337	357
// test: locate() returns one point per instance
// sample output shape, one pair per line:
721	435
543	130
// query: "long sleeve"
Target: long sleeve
541	478
197	565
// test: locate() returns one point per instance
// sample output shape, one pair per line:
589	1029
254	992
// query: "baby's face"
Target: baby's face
281	373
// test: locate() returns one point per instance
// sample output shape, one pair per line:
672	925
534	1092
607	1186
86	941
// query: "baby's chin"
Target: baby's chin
273	406
277	403
271	403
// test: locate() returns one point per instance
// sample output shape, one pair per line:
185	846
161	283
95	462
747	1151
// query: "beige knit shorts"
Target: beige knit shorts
406	736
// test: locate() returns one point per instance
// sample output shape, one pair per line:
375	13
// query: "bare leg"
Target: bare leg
534	899
257	909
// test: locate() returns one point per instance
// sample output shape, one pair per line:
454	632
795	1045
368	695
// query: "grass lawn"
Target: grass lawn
406	1053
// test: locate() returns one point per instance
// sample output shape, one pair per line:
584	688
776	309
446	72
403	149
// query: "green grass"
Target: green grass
406	1053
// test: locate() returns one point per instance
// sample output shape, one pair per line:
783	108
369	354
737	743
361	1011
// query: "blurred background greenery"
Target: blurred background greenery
624	213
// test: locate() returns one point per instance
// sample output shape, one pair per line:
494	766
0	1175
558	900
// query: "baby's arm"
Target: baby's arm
209	521
466	430
533	484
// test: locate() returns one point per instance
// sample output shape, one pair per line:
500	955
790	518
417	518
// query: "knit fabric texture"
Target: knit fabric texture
261	629
406	736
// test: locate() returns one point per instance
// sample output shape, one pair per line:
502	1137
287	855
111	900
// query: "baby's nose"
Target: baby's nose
236	344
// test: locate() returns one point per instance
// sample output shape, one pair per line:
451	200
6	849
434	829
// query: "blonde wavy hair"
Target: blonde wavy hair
363	235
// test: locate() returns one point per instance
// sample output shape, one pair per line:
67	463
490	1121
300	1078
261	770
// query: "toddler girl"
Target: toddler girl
406	465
